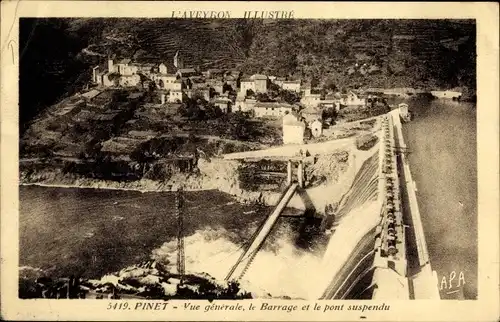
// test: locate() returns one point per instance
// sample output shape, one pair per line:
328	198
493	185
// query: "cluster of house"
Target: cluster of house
295	125
214	85
126	73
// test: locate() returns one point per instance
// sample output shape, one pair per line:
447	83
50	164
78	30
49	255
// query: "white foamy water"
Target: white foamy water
280	270
342	244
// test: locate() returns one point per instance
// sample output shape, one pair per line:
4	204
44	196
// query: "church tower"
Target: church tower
111	66
178	61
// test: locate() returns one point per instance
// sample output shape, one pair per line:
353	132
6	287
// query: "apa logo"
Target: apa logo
451	281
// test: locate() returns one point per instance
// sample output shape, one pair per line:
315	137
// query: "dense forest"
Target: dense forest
56	54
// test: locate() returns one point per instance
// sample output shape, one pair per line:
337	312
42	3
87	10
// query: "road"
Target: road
409	186
293	150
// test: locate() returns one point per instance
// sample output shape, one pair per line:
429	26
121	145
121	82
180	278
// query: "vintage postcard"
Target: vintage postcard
249	161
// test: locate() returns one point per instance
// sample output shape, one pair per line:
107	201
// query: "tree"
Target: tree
238	81
273	87
194	112
213	112
198	98
262	97
181	110
307	133
314	81
330	85
226	87
330	113
289	96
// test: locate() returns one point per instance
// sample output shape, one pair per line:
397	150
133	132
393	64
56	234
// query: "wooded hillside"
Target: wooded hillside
388	53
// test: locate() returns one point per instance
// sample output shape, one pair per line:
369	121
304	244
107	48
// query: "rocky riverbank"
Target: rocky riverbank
333	170
149	280
214	174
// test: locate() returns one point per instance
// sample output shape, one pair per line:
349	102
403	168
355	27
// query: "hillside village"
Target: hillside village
135	113
258	95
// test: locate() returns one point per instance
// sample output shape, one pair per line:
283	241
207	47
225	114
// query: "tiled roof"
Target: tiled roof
311	110
91	94
187	70
222	100
272	104
145	65
332	96
259	77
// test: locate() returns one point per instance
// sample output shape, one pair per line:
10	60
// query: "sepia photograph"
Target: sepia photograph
292	159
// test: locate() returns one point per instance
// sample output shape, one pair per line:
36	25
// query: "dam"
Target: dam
374	249
379	251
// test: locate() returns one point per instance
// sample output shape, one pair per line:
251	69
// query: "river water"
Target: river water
91	232
442	144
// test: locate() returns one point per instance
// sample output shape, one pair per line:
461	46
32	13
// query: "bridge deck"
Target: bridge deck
292	151
239	269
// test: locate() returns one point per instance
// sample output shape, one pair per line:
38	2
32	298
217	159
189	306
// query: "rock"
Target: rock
366	142
113	279
174	281
170	289
150	279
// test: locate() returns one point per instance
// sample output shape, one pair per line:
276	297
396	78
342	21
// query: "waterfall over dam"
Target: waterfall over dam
354	236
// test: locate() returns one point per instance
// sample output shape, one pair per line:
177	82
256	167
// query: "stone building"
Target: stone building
272	109
291	85
311	114
243	104
175	96
245	85
310	100
352	99
224	104
293	129
260	83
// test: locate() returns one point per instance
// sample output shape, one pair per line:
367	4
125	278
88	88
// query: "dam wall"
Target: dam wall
349	253
378	249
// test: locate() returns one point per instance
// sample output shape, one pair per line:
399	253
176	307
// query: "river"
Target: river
91	232
442	143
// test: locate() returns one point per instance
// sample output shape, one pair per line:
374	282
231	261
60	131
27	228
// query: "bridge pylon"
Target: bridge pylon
300	173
